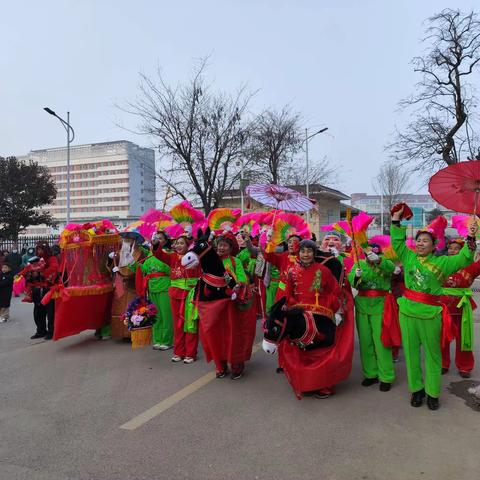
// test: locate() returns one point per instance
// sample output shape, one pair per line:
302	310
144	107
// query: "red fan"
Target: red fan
407	212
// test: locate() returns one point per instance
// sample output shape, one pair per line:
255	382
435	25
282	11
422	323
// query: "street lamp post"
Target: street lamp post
70	136
307	138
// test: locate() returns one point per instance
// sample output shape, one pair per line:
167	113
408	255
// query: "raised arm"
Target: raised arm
398	235
162	255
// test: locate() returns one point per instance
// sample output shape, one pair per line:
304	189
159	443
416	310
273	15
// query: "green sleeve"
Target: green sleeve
398	236
240	273
368	273
386	265
133	266
244	256
351	275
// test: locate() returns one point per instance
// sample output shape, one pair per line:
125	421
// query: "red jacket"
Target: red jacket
314	288
177	271
283	261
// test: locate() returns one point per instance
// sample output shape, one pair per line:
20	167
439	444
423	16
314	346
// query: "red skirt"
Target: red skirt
310	370
226	333
76	314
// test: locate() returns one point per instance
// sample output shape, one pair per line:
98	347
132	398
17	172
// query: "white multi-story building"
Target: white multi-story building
372	203
114	180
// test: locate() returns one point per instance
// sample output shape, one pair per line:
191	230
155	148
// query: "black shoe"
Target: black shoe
221	374
48	336
367	382
432	403
321	395
465	374
444	371
237	375
279	370
417	398
37	335
385	387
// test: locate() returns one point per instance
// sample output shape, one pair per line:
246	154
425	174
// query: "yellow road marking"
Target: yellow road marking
173	399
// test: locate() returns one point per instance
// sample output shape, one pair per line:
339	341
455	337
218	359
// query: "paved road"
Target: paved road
62	405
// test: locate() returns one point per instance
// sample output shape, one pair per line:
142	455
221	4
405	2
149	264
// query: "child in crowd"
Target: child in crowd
6	287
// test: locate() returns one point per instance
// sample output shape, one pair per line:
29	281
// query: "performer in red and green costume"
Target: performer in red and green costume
242	321
460	303
424	319
311	286
156	283
181	293
267	276
372	279
283	261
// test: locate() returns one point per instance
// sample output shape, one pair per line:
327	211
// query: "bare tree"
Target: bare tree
199	134
320	172
443	105
275	138
391	182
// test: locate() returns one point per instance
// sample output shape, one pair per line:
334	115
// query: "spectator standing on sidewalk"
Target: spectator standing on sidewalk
6	287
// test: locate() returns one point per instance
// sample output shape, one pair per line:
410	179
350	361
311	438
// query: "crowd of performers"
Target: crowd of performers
212	280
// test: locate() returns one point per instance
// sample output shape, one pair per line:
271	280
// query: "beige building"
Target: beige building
328	202
114	180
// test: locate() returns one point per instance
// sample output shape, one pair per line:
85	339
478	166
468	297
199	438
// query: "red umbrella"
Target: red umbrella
457	187
281	198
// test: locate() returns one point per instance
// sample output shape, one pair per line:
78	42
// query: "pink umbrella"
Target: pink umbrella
278	197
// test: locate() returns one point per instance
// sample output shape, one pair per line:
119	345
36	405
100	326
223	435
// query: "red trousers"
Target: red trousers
184	344
464	361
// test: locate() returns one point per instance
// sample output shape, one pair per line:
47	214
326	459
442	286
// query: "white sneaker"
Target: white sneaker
188	360
106	337
176	359
3	320
165	347
156	346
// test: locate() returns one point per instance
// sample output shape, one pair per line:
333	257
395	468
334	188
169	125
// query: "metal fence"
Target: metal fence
27	241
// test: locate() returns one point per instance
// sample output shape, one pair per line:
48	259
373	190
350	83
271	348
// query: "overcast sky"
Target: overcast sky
341	63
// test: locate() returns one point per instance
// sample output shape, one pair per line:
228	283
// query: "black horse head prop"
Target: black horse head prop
200	247
274	327
305	329
213	284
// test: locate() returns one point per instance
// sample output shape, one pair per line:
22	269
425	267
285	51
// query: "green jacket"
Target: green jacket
425	274
153	265
374	277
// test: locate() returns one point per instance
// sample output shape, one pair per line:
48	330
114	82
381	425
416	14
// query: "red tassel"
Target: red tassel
139	284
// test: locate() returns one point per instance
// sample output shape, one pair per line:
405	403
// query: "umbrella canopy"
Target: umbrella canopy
279	197
457	187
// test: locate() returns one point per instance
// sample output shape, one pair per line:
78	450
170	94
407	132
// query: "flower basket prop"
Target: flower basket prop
139	319
141	337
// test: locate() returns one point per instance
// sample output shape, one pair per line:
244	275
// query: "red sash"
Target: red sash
447	334
391	335
214	280
143	286
372	293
